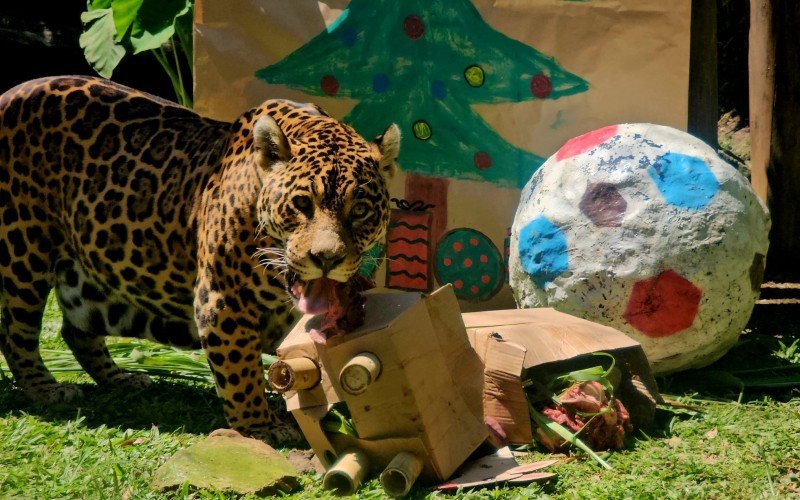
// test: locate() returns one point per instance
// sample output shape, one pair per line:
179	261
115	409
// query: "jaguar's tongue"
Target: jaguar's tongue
316	296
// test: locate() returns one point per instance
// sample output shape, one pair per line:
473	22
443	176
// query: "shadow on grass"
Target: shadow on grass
762	364
170	406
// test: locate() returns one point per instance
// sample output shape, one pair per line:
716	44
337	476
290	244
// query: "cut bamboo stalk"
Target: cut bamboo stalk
293	374
345	476
400	475
361	371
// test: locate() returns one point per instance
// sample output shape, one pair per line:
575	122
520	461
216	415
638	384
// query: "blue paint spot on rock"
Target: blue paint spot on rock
543	250
684	181
380	83
438	89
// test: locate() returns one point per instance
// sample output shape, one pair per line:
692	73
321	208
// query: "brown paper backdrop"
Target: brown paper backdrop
633	53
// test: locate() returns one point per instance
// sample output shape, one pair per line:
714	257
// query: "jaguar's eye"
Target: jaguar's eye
303	204
359	210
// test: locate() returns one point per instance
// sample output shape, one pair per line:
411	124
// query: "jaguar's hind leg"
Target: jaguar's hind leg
25	283
91	352
86	323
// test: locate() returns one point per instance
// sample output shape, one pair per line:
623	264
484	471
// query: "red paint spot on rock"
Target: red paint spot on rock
585	142
663	305
484	259
458	284
473	241
413	27
474	289
329	85
541	86
467	262
482	160
457	246
485	279
447	262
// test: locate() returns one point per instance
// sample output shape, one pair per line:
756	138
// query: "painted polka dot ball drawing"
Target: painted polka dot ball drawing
644	228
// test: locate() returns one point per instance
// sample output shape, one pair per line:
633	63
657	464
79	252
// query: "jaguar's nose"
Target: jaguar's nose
326	261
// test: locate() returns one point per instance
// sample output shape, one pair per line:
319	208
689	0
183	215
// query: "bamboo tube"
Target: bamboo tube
345	476
400	475
362	370
293	374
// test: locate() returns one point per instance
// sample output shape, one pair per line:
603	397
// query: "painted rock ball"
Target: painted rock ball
643	228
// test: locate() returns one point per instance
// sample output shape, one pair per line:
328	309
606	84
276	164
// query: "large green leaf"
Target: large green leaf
98	41
125	12
99	4
155	24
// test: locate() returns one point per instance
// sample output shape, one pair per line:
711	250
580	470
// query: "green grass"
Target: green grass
109	444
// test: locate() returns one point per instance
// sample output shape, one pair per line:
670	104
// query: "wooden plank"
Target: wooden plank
777	150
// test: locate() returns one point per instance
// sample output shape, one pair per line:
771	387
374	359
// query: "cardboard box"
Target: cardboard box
426	398
535	345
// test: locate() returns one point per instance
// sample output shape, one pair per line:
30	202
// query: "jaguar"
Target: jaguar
147	220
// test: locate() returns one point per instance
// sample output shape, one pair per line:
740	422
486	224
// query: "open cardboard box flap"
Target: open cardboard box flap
535	344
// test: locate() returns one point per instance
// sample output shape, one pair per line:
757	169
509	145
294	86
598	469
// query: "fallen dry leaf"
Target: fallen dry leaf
712	433
674	441
132	441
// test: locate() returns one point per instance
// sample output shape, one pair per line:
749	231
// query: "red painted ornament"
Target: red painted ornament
413	27
541	86
329	85
482	160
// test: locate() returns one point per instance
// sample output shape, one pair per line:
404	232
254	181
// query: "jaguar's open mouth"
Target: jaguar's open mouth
316	296
341	303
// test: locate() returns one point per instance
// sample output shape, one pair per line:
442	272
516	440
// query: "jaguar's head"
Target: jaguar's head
325	198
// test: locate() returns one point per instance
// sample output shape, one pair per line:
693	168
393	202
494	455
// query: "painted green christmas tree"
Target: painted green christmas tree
421	64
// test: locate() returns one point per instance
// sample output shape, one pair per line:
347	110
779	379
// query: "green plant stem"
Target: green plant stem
163	59
185	99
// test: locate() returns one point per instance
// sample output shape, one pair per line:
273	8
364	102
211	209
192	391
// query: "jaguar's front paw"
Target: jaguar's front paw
281	434
54	393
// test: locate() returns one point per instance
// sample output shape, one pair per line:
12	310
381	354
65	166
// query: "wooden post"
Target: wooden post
775	126
761	67
703	101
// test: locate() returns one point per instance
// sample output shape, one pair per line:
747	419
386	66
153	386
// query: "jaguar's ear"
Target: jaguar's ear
270	142
389	146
